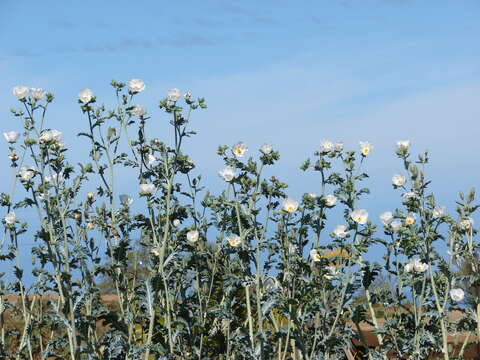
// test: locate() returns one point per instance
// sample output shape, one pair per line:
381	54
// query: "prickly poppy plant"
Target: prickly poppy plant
176	271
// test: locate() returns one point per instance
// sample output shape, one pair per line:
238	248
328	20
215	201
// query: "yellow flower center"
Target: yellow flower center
365	151
409	221
359	219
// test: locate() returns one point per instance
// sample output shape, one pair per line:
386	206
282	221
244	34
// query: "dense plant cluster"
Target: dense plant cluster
247	272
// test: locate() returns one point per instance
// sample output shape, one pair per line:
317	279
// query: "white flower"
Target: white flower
187	96
85	95
138	110
312	195
340	231
365	147
234	240
155	252
147	189
56	135
360	216
330	200
150	159
136	85
396	225
176	222
467	223
20	91
10	218
410	195
457	294
408	267
173	94
410	219
266	149
27	173
438	211
290	205
314	255
416	265
398	180
46	136
11	136
419	266
338	146
403	145
227	173
239	149
386	218
55	179
37	93
51	135
126	200
326	146
192	236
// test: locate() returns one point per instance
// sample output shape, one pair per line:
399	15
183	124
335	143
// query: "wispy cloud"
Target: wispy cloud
110	46
115	46
23	53
187	41
253	15
61	23
209	23
397	2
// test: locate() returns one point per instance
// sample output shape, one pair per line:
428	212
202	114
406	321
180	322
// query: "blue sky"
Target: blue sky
290	73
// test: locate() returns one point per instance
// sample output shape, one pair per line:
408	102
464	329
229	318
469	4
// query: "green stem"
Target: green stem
249	313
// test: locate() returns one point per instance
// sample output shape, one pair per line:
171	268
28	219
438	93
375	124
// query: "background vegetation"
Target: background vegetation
244	272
